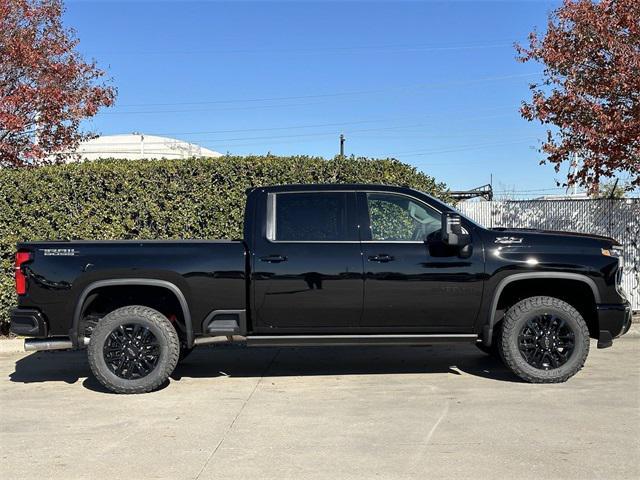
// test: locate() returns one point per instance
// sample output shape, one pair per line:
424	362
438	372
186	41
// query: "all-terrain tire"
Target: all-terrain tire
515	320
163	331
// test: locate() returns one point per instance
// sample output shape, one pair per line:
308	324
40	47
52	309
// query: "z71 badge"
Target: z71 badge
58	252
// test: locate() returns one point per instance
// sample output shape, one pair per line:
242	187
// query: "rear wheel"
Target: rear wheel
544	340
133	349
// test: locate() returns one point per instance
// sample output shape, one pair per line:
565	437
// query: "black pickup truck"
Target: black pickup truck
325	265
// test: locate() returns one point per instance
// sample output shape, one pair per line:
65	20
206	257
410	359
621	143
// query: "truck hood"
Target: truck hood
511	235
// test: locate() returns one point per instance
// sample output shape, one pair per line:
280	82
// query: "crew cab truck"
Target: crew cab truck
325	265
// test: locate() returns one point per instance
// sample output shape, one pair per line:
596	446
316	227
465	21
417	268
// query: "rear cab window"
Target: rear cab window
310	217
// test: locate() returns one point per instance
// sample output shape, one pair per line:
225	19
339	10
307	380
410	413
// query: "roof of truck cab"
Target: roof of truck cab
334	186
361	187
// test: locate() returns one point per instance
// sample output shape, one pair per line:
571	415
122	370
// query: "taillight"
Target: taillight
21	279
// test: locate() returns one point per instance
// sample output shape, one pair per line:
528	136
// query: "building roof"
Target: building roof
140	146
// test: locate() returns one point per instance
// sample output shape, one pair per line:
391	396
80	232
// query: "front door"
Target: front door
308	266
412	281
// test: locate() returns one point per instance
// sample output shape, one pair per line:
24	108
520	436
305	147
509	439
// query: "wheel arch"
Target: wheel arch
522	277
75	333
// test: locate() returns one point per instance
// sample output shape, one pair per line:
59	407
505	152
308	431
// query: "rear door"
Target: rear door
412	281
307	265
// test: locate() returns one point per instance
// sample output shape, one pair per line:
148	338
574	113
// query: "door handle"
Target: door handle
273	259
382	258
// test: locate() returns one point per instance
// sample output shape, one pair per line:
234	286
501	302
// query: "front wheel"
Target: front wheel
133	349
544	340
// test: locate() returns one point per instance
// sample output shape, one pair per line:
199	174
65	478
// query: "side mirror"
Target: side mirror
452	232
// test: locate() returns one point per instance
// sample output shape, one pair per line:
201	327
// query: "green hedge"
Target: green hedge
195	198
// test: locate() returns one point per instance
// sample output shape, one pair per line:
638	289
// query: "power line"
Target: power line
460	148
315	134
324	50
351	132
193	110
381	131
300	97
290	127
342	124
305	136
386	155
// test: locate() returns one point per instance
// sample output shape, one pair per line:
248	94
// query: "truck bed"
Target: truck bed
210	274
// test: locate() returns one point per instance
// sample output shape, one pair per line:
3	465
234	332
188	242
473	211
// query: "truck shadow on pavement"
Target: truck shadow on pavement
232	361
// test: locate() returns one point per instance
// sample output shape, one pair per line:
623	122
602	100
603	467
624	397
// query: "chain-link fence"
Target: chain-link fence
616	218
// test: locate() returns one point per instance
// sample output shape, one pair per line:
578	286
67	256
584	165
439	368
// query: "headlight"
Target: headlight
616	252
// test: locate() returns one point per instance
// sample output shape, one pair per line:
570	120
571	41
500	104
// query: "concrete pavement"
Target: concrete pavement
324	413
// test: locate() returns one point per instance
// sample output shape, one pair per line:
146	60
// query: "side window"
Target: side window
398	218
316	216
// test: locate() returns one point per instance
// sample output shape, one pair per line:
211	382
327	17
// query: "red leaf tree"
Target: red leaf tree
46	88
591	89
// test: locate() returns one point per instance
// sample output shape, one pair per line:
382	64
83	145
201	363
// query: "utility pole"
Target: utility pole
342	145
613	190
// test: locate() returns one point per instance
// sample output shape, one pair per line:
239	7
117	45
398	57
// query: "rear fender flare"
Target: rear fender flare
75	333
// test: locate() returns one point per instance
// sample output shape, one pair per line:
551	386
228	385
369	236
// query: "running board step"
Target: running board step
354	340
223	327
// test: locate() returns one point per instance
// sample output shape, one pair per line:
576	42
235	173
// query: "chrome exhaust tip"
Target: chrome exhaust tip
38	344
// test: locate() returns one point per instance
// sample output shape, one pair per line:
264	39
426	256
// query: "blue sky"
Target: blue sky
435	84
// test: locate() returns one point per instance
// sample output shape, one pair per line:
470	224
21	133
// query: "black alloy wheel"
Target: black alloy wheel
131	351
546	341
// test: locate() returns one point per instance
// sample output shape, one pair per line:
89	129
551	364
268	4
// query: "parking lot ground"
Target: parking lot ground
324	413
